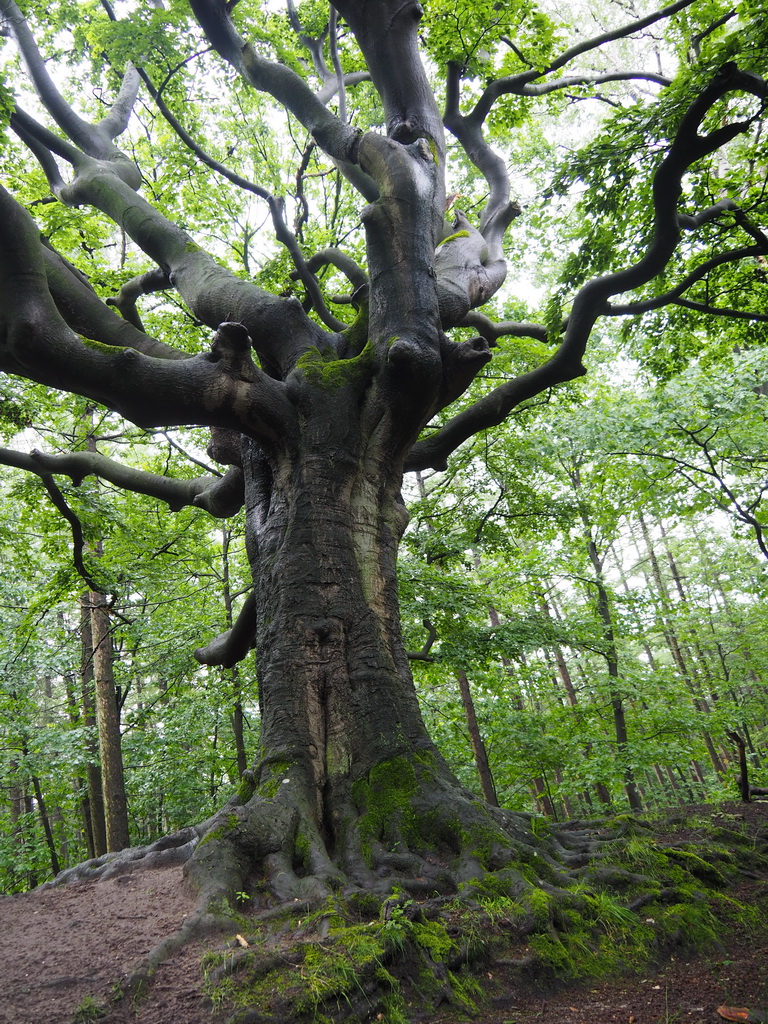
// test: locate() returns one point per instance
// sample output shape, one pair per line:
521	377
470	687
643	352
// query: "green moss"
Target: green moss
642	854
481	842
465	990
451	238
332	969
607	912
552	954
356	335
98	346
364	905
247	787
323	371
691	923
394	1010
302	850
538	903
385	800
401	956
278	770
433	936
490	888
696	865
220	831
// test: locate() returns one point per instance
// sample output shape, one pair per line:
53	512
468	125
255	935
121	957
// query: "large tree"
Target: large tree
318	419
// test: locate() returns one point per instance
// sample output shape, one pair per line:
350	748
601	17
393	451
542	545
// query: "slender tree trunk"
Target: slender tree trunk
610	654
744	789
237	718
478	746
539	786
21	811
75	714
97	828
603	793
108	718
676	650
42	810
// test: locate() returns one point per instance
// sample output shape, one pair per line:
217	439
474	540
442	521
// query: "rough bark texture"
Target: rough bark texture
108	718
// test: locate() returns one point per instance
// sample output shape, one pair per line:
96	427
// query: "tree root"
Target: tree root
421	883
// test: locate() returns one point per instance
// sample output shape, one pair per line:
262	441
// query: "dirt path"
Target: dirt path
63	950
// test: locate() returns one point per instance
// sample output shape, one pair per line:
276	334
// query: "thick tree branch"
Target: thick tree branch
687	147
503	329
88	316
276	208
333	40
645	305
150	281
232	646
493	409
519	84
335	138
212	292
469	268
499	211
116	121
40	152
314	44
591	300
222	388
221	497
335	257
333	81
387	33
95	140
331	87
280	330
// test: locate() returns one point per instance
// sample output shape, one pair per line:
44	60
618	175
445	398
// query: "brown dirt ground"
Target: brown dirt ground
61	947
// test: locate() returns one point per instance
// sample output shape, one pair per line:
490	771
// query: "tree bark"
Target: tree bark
108	718
323	536
478	746
237	717
97	824
676	649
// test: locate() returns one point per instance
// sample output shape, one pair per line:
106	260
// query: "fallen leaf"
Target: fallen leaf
733	1012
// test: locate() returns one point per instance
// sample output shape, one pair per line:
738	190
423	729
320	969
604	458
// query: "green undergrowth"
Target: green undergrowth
359	957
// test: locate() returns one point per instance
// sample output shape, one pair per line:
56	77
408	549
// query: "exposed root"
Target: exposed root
167	852
418	883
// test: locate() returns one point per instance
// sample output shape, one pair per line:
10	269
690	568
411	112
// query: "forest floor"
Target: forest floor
63	950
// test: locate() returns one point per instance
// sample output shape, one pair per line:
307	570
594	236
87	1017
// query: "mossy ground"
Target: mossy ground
652	888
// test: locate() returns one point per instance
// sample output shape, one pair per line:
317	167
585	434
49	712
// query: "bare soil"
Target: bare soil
64	951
